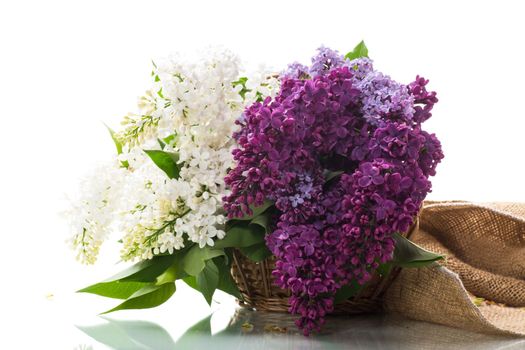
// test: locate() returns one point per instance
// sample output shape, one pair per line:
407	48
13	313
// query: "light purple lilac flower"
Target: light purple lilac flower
325	60
296	70
361	67
384	98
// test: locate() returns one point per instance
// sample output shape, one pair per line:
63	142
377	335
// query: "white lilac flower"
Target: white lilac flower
191	107
91	215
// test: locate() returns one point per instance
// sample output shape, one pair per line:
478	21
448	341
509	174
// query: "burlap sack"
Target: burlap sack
484	244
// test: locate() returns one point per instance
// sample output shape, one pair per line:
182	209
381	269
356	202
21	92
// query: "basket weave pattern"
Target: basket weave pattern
255	282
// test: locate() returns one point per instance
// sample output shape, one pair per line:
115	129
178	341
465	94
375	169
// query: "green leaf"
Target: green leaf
256	211
166	161
176	270
134	278
409	254
114	289
347	291
169	139
257	252
263	220
226	282
115	139
173	273
118	145
242	81
329	175
146	270
384	269
241	234
147	297
166	141
194	261
191	281
359	51
208	280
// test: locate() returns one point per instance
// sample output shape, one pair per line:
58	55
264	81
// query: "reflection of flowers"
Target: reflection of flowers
270	330
83	347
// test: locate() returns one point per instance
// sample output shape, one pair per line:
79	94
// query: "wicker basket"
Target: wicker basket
256	285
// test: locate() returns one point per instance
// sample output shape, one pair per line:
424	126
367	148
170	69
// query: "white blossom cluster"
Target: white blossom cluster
191	111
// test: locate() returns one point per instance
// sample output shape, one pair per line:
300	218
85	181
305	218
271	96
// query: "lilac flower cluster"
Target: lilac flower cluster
334	116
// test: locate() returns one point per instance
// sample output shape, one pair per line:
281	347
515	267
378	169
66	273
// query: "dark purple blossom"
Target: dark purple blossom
344	116
424	101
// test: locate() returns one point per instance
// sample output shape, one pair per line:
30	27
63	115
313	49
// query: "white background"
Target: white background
67	66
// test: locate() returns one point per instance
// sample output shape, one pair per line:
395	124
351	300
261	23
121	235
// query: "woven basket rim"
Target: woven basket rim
255	283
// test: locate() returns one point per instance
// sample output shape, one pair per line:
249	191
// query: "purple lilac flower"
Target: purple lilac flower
344	117
361	67
424	100
296	70
325	60
384	98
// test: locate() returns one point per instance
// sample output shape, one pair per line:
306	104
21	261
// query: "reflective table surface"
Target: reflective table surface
65	320
252	330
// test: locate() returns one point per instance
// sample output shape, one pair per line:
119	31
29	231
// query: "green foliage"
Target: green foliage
166	161
406	254
242	82
191	281
409	254
145	271
384	269
359	51
329	175
113	134
124	284
208	280
257	252
247	233
226	282
256	211
347	291
169	139
118	145
147	297
195	260
262	220
170	275
114	289
151	282
242	234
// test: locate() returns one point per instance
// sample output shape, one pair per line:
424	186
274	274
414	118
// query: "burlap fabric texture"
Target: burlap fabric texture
480	286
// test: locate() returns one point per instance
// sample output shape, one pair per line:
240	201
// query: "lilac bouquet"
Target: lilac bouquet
339	165
326	171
